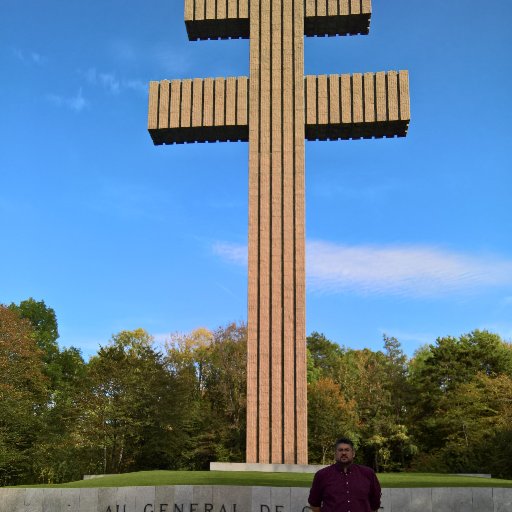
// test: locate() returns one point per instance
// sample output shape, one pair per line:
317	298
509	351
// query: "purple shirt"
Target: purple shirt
357	490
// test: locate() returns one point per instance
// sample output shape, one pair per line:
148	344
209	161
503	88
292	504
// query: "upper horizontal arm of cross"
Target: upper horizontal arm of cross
224	19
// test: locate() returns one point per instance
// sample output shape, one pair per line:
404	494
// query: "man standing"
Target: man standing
344	486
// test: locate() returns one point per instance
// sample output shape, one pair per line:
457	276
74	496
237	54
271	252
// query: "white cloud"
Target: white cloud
76	102
29	57
404	270
233	253
135	85
111	83
417	271
37	58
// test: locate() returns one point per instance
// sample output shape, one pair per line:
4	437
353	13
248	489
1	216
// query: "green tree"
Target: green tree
226	395
474	421
186	361
125	412
210	377
375	386
325	358
396	381
23	397
376	383
56	457
438	372
330	416
45	331
44	324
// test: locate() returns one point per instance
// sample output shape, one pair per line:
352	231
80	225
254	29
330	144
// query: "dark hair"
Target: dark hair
344	440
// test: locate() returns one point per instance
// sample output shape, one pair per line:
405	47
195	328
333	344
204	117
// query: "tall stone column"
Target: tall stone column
276	381
272	118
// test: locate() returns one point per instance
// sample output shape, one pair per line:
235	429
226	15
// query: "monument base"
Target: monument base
226	498
266	468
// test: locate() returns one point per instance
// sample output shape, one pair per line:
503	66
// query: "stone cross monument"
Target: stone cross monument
276	109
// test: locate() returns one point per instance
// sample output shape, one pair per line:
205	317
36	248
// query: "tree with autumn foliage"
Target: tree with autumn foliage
209	368
23	397
330	415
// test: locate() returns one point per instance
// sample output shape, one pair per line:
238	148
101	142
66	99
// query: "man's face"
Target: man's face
344	453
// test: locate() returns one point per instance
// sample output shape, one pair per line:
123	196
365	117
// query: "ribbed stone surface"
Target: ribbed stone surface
336	107
223	19
357	106
200	110
337	17
275	109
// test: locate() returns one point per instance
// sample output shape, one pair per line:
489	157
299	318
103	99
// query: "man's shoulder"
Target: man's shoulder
325	471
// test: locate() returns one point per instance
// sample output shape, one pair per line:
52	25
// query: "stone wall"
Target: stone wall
190	498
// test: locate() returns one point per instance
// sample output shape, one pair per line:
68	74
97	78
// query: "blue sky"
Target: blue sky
409	237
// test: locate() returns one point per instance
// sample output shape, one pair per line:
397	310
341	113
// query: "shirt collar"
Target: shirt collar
339	468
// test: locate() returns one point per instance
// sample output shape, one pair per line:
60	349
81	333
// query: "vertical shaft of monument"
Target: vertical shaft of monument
276	367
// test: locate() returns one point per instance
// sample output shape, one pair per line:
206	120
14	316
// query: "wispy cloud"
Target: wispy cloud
403	270
111	83
76	103
417	271
29	57
163	55
233	253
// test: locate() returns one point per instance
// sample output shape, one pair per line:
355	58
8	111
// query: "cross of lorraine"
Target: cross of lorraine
275	109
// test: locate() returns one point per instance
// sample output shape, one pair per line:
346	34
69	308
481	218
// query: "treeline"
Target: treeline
138	406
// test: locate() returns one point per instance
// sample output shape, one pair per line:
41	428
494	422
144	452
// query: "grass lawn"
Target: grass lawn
274	479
